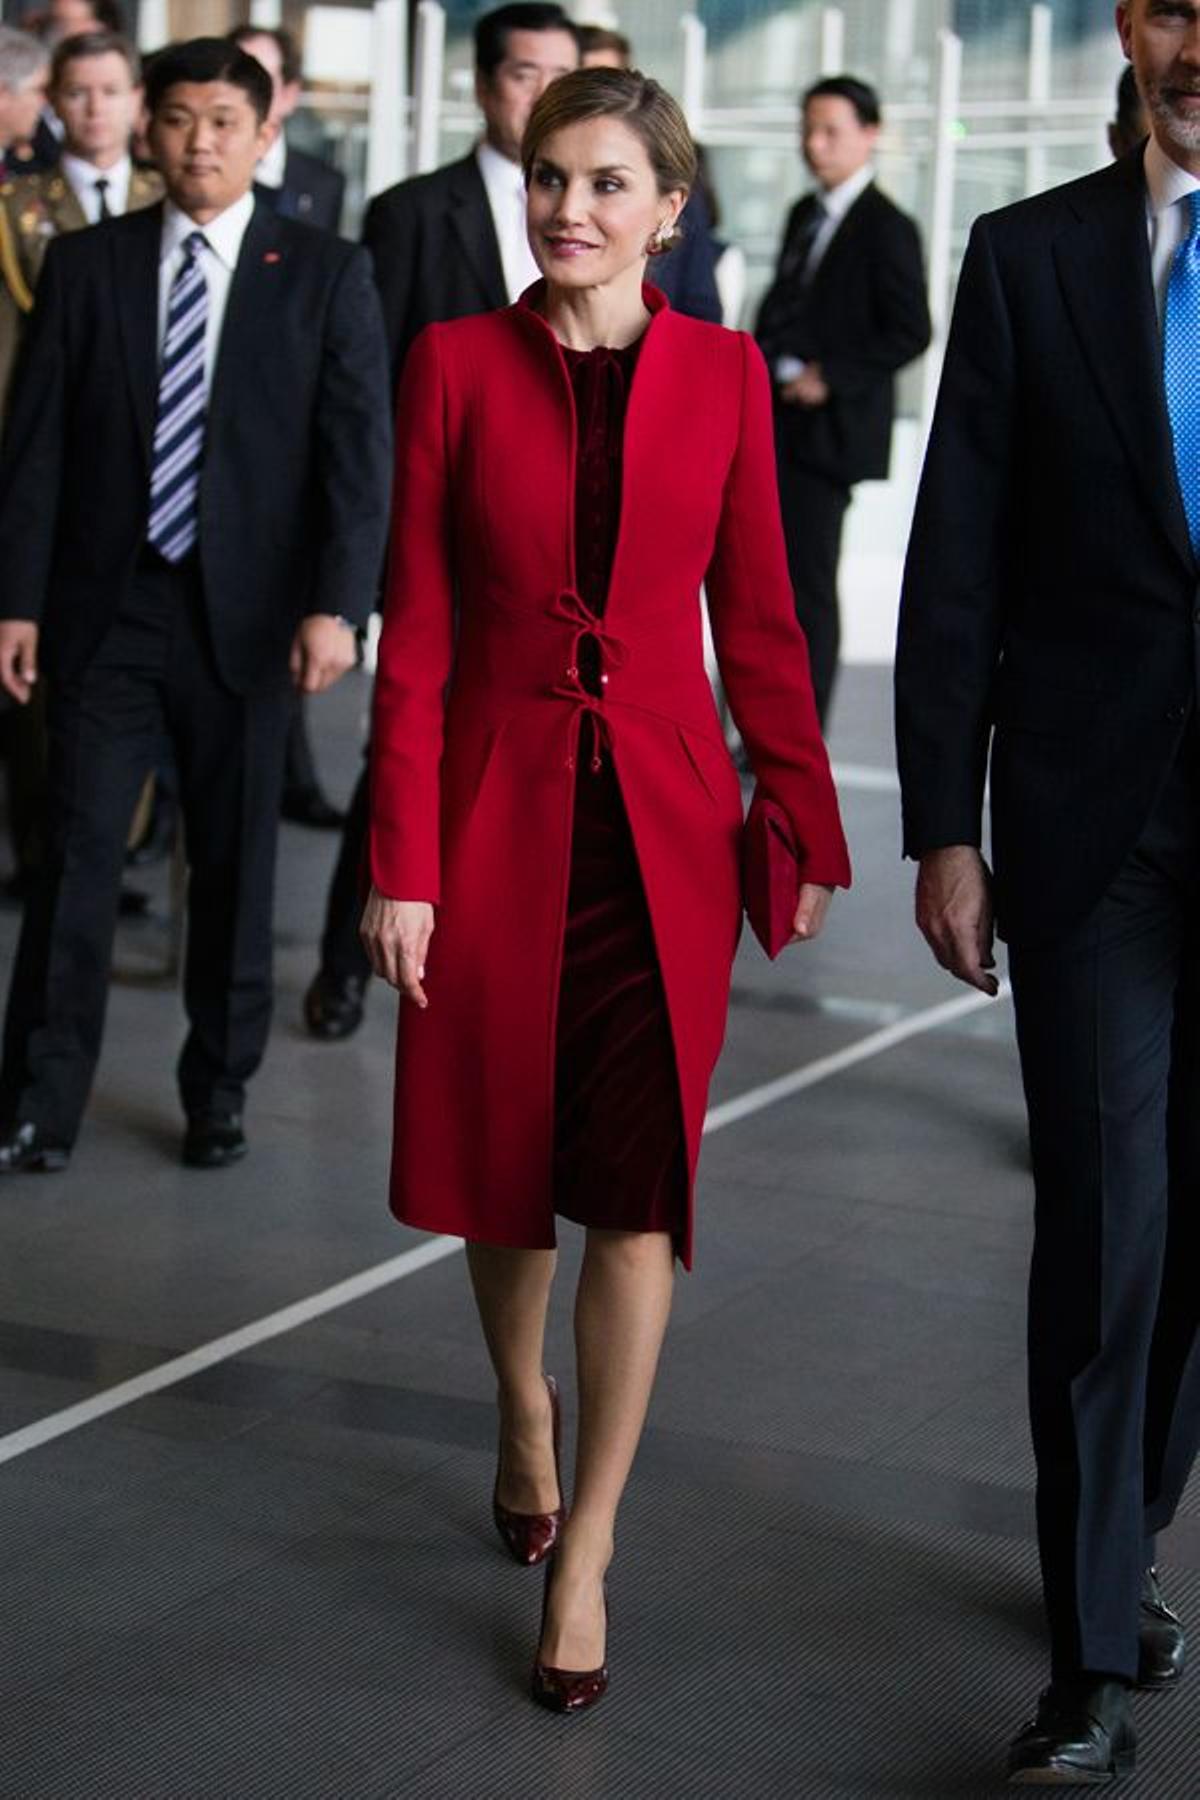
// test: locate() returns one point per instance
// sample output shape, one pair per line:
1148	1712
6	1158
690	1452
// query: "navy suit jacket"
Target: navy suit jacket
1052	598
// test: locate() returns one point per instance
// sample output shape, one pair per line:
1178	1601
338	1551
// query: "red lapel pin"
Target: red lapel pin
271	256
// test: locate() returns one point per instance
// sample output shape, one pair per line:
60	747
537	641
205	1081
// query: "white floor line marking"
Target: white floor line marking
434	1250
771	1092
221	1349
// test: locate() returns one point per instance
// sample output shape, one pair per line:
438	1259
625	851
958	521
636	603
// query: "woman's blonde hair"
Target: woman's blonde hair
648	110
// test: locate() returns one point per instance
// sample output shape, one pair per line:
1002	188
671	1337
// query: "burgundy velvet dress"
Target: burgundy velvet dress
620	1159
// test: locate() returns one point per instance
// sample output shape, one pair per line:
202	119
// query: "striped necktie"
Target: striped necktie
179	423
1181	367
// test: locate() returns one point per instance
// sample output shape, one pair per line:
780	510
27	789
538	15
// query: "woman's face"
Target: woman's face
594	204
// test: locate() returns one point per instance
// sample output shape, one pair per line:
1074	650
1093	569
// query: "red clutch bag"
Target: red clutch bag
770	874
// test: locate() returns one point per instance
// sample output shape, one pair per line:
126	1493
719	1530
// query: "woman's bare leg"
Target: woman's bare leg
512	1291
621	1313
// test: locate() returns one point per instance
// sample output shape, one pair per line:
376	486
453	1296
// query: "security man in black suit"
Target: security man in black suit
1051	613
297	186
846	310
193	499
444	245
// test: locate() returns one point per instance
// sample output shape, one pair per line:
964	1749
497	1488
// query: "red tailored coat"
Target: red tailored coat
480	715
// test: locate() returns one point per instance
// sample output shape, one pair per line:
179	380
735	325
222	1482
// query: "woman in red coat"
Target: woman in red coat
551	785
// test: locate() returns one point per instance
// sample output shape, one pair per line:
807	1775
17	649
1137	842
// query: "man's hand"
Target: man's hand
395	935
18	658
954	913
808	389
323	649
810	914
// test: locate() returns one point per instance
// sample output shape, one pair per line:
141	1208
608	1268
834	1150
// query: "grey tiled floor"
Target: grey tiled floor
277	1579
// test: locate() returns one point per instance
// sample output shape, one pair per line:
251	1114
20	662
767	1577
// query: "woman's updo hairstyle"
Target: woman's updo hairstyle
648	110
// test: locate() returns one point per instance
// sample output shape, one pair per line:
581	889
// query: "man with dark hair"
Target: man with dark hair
453	242
846	310
95	88
1131	125
602	48
1050	625
444	245
297	185
193	501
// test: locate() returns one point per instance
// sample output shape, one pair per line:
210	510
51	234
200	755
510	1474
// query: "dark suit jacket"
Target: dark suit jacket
1051	589
312	191
687	275
435	252
862	317
295	489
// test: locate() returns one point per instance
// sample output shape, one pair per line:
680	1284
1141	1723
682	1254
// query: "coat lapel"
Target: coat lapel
1104	271
133	247
471	222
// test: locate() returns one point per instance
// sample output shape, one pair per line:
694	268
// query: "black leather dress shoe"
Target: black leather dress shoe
1083	1735
333	1005
308	806
213	1140
26	1146
1162	1647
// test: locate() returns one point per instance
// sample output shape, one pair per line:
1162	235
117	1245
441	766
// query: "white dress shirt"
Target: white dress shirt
835	203
83	177
505	186
223	236
270	169
1167	190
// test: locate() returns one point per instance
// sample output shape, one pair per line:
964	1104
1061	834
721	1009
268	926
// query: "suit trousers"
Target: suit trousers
342	953
814	510
152	684
1108	1024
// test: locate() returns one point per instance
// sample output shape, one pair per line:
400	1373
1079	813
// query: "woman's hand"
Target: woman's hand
810	914
395	936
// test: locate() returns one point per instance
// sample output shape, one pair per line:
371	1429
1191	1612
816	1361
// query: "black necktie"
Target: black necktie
781	323
101	187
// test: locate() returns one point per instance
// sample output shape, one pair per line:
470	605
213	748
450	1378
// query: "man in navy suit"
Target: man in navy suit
1051	620
194	490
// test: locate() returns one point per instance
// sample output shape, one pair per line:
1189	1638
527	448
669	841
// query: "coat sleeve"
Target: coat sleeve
761	651
390	235
951	610
354	446
31	460
899	308
416	645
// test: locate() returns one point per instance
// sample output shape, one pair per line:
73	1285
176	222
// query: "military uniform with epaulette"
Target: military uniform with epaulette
35	209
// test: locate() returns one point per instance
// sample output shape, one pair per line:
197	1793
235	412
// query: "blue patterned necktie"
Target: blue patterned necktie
1181	366
179	422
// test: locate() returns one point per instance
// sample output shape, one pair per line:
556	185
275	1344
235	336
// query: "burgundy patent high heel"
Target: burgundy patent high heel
530	1537
567	1690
